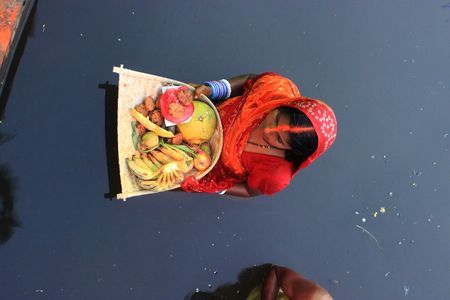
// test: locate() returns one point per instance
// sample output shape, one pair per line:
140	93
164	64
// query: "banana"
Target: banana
171	153
183	161
149	163
139	162
150	125
139	171
161	182
147	184
164	159
154	160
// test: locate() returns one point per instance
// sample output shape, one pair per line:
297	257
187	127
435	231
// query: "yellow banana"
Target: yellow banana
147	184
149	163
154	160
164	159
143	173
150	125
184	161
171	153
139	162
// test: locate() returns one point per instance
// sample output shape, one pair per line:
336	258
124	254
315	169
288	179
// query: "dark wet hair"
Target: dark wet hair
303	144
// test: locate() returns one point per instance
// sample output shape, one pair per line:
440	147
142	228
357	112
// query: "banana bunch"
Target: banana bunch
160	169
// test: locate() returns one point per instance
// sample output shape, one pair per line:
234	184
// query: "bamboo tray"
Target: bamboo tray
133	88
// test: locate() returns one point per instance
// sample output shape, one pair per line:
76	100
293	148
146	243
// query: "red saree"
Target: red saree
240	115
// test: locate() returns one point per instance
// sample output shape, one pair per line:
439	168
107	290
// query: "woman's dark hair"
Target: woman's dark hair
303	144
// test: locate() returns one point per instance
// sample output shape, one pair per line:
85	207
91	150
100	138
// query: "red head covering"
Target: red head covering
240	115
324	123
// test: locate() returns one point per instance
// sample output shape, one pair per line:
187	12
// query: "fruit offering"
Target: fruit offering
165	155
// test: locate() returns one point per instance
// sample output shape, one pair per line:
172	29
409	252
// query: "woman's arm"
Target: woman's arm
242	190
237	83
237	86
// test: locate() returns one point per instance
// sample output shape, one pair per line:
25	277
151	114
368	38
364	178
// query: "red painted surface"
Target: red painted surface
9	18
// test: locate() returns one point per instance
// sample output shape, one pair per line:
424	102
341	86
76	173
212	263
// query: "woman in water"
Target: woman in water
270	133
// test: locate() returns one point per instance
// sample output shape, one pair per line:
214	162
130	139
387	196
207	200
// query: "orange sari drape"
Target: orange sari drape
239	115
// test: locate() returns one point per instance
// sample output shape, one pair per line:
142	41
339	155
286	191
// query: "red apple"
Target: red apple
202	160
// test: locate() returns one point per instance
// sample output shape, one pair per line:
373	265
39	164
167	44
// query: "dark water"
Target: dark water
383	67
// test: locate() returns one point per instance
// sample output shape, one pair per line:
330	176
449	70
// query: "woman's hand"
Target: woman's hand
202	89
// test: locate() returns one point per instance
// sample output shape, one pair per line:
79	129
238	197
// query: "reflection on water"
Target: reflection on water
111	96
248	279
8	219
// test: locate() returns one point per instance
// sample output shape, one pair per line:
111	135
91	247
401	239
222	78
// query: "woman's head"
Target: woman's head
302	138
290	129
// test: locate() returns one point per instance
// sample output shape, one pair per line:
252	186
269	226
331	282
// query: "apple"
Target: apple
206	147
202	160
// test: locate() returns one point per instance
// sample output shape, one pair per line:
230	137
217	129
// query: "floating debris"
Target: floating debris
370	234
216	272
356	212
119	39
197	290
434	163
43	28
363	220
402	241
387	274
406	290
445	135
81	34
375	214
416	173
334	281
382	209
411	60
391	194
397	214
209	285
39	291
316	85
212	244
414	184
372	156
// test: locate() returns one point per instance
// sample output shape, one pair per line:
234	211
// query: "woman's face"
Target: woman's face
272	127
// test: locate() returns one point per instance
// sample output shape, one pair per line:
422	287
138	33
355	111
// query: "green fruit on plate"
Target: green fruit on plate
206	147
150	139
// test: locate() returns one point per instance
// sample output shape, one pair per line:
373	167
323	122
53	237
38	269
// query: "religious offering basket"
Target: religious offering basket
156	155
